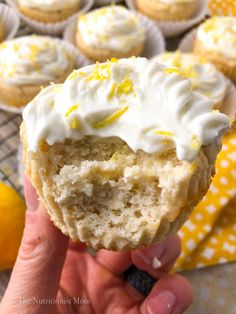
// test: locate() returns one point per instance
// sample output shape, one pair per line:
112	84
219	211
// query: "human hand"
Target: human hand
52	270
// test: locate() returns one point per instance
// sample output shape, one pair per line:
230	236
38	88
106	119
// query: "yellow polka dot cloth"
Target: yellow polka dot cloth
209	236
222	7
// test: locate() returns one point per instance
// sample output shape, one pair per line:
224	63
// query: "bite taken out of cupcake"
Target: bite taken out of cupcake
28	63
205	78
108	32
216	42
133	150
49	11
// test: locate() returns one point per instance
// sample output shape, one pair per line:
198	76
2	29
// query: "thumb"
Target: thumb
37	271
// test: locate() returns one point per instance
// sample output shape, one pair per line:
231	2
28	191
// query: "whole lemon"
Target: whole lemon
12	219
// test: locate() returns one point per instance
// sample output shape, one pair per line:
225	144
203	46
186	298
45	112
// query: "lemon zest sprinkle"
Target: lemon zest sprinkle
195	143
71	109
42	87
74	123
173	70
114	60
101	72
110	119
112	91
73	75
167	133
125	87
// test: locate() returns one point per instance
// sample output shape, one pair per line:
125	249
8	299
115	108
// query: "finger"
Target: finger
77	246
38	267
172	294
159	258
115	262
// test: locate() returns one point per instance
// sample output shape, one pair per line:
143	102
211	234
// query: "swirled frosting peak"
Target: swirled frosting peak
49	5
32	60
134	99
112	27
205	78
219	34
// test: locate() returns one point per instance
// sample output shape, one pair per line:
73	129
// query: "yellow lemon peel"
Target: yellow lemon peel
110	119
101	72
73	75
167	133
195	143
71	109
173	70
74	123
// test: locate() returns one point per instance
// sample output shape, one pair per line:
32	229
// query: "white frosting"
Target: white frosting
49	5
32	60
219	34
177	1
133	99
204	76
113	27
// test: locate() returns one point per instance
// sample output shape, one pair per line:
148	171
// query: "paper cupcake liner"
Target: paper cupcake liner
186	44
154	44
50	28
100	3
229	103
171	29
80	61
10	21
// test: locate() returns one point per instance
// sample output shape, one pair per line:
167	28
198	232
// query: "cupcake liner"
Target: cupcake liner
100	3
21	167
10	21
171	29
49	28
80	61
10	109
154	43
186	44
229	103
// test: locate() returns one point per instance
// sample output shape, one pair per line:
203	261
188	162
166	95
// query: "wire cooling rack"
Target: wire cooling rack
9	143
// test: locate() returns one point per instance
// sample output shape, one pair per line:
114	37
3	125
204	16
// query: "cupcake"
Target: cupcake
216	42
205	78
133	150
28	63
50	11
112	31
168	10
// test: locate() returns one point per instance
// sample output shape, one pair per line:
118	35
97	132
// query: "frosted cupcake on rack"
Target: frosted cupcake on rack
49	11
112	31
216	42
205	78
168	10
133	150
28	63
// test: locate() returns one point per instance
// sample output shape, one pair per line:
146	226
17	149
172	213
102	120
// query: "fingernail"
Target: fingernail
163	303
152	255
31	196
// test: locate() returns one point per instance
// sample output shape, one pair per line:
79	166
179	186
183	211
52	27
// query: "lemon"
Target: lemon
12	219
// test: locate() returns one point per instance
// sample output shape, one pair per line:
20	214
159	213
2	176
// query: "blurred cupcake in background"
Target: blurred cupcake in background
112	31
216	42
28	63
168	10
51	11
2	31
205	78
